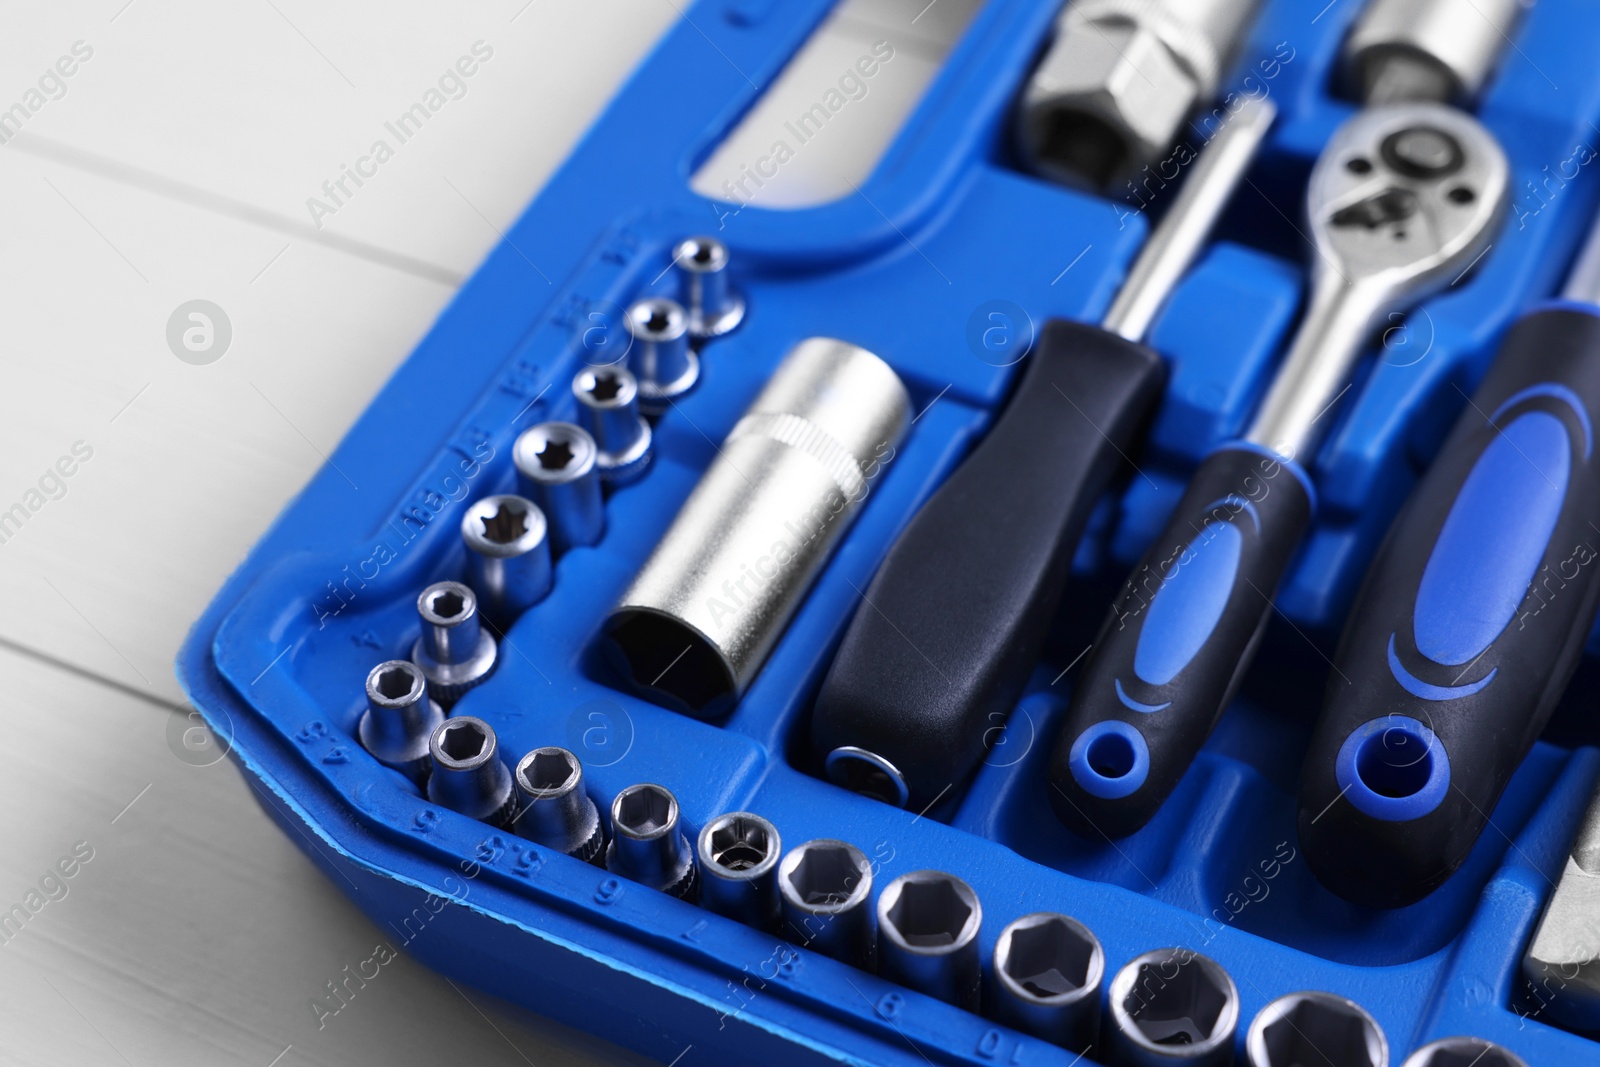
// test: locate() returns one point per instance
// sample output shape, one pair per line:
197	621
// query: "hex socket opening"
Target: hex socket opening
1174	998
1463	1052
644	812
463	742
741	844
395	683
1315	1027
930	911
548	772
1068	141
670	661
825	876
1049	959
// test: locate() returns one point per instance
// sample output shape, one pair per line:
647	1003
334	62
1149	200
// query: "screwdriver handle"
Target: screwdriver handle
1177	640
1468	626
951	626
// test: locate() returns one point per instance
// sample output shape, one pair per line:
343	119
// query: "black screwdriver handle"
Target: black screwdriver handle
951	626
1468	626
1178	638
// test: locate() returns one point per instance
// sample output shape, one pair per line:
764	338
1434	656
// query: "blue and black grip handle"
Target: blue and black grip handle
952	624
1179	637
1468	626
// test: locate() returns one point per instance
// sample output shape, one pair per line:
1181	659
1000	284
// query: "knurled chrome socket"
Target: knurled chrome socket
553	807
508	556
1305	1028
400	718
738	854
825	888
1410	51
1463	1052
647	844
712	306
1173	1006
558	469
928	924
454	651
659	356
1118	82
468	774
1047	974
608	401
707	607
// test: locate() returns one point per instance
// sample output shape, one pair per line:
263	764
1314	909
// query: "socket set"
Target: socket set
1112	589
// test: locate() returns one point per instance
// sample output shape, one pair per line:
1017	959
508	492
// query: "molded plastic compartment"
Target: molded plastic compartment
945	235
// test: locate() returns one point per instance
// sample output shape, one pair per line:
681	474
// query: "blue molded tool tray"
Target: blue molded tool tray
945	225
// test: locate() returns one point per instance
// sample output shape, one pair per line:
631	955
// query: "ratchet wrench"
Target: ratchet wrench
1402	201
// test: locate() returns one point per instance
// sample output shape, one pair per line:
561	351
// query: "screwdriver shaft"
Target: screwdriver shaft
1175	243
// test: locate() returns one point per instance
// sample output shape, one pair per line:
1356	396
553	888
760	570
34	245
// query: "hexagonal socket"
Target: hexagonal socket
1112	91
455	652
1047	974
1315	1028
738	855
928	925
552	806
647	844
1463	1052
399	719
1173	1006
468	775
824	887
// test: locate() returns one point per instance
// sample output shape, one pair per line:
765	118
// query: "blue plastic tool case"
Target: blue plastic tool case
945	225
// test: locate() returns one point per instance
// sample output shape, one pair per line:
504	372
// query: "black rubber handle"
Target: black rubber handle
1467	628
1179	637
951	626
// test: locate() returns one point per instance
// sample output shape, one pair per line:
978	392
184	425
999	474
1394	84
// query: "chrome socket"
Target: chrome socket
400	718
1463	1052
608	400
823	888
1410	51
558	469
508	556
468	774
454	651
647	844
553	807
712	306
738	855
1047	974
659	356
699	619
928	925
1173	1006
1306	1028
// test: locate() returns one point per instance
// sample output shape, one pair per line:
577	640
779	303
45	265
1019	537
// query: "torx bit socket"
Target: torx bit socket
660	356
400	718
1306	1028
708	299
928	925
608	400
508	556
1173	1006
454	651
558	469
552	806
824	887
738	854
647	843
468	774
1047	974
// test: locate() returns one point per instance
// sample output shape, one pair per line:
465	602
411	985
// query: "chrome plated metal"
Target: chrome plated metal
928	924
738	855
553	807
647	843
508	556
468	774
400	718
558	469
455	652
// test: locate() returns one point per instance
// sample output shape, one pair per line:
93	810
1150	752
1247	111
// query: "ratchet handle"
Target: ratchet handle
951	626
1178	639
1468	626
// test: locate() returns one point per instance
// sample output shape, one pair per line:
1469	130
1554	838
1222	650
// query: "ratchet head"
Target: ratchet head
1406	197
